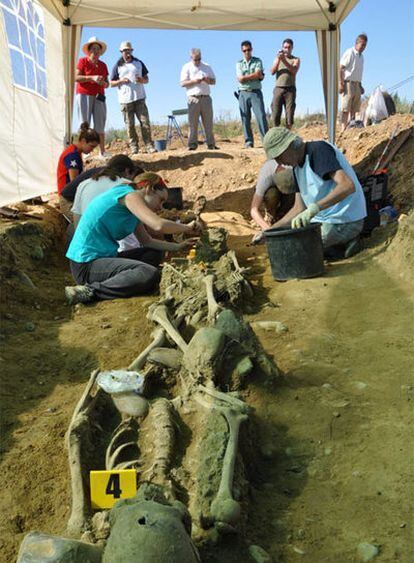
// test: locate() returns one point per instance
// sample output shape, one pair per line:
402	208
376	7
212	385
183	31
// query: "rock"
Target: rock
43	547
167	357
367	551
360	385
243	367
298	550
30	327
259	555
204	350
276	326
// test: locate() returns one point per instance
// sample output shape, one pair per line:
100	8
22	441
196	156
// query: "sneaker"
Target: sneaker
213	148
79	294
192	148
353	247
134	150
248	145
150	149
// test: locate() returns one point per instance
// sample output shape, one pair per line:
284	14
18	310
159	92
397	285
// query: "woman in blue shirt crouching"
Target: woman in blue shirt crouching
111	216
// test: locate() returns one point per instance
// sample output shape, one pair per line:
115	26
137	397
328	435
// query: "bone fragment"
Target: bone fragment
159	314
78	516
112	462
224	508
213	307
158	340
239	273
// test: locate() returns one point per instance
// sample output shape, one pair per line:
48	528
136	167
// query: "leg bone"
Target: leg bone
159	314
213	306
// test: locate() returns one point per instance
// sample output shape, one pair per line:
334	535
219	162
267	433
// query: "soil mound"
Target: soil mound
399	255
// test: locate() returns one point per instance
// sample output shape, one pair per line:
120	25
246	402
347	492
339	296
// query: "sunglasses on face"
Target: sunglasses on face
126	50
198	59
246	50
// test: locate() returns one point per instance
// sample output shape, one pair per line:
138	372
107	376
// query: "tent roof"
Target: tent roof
262	15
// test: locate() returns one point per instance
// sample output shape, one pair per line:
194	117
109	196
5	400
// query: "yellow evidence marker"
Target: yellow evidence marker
107	487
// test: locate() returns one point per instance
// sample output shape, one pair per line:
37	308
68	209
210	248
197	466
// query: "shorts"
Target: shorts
351	98
89	107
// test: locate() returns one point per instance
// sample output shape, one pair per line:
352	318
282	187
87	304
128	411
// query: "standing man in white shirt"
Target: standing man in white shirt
350	79
129	75
196	78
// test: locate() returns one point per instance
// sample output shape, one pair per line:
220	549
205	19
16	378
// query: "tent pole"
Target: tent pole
333	83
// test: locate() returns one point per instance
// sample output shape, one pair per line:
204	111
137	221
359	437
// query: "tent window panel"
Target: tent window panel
22	14
11	29
26	40
24	37
19	74
30	74
40	57
32	41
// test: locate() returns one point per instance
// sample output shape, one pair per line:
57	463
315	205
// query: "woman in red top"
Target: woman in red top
70	162
92	79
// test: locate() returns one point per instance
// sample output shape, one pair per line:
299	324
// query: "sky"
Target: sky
389	59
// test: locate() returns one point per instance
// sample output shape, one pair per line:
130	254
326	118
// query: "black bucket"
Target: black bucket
175	199
295	253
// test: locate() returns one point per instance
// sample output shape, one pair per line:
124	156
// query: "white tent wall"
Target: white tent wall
34	130
32	127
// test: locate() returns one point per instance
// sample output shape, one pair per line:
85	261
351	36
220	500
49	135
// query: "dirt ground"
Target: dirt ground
336	451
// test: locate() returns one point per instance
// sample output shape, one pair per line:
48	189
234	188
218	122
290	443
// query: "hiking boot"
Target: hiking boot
213	148
134	150
353	247
150	149
79	294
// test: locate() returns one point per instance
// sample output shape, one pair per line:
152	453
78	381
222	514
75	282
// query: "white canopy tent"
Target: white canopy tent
39	41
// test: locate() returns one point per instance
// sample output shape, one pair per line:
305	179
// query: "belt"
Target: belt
355	81
199	95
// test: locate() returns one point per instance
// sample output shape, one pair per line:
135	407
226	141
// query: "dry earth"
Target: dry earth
334	435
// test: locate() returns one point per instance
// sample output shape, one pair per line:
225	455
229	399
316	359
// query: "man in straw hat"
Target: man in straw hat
129	75
327	189
91	80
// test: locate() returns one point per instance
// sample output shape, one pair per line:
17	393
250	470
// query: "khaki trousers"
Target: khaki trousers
200	106
139	109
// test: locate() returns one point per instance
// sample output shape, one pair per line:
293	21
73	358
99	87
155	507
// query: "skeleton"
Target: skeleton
198	374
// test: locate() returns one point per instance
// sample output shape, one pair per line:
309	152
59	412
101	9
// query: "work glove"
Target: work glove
303	219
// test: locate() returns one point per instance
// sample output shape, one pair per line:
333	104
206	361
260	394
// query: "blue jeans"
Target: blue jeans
248	101
340	233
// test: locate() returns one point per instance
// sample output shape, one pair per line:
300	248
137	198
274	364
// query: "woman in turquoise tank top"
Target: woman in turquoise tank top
111	216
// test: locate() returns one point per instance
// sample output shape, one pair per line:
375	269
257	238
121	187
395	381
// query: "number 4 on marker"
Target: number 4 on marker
114	485
109	486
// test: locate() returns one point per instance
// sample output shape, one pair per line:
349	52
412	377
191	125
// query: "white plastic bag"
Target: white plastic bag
376	110
120	381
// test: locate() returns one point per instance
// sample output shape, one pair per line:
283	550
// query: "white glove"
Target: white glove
258	238
303	219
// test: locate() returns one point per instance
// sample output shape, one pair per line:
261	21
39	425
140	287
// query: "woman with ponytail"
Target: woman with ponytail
70	162
111	216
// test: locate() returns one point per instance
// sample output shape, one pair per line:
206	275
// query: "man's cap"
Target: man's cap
276	141
92	40
125	45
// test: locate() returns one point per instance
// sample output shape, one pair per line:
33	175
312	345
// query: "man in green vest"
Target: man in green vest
285	66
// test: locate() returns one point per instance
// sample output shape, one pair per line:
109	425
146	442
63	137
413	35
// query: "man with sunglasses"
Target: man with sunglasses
250	75
129	75
197	77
